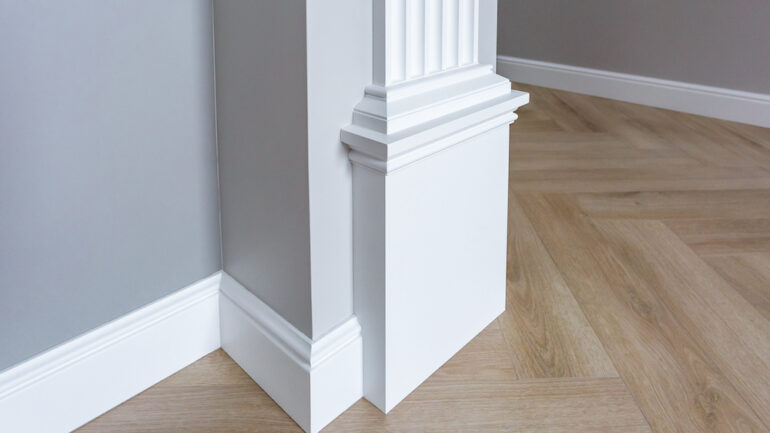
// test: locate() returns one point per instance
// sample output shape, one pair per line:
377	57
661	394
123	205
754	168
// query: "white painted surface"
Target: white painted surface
416	38
430	178
430	260
488	32
334	81
71	384
735	105
313	381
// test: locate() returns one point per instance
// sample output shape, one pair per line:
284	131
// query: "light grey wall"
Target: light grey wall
715	43
108	188
260	51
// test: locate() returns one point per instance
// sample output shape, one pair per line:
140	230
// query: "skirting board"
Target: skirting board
71	384
738	106
312	381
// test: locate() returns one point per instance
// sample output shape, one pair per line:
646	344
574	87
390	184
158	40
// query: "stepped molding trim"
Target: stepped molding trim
89	375
312	381
721	103
428	115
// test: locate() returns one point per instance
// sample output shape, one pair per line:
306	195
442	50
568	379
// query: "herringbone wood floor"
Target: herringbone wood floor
638	293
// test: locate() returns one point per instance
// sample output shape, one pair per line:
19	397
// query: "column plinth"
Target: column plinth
429	146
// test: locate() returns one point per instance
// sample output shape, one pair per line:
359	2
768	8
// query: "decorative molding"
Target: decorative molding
67	386
312	381
727	104
423	37
429	147
422	294
397	125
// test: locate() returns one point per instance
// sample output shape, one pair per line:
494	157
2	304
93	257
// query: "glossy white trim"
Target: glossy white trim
69	385
312	381
721	103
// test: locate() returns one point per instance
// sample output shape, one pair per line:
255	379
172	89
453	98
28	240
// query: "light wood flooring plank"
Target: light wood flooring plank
666	204
564	141
733	335
578	405
602	113
723	236
749	274
211	395
676	385
596	158
648	179
546	331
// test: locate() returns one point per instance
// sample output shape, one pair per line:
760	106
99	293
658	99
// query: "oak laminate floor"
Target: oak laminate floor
638	293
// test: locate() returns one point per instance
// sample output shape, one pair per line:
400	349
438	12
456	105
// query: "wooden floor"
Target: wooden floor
638	293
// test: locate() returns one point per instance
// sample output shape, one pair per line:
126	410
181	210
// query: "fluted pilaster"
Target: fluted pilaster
415	38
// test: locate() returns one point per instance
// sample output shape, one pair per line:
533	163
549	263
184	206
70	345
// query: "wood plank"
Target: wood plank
528	406
602	113
211	395
748	142
749	274
673	380
666	204
571	158
562	140
718	318
723	236
566	116
647	179
484	359
546	331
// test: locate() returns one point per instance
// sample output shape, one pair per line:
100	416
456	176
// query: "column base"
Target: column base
312	381
430	192
430	248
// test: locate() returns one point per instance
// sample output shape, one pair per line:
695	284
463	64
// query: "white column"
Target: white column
429	146
423	37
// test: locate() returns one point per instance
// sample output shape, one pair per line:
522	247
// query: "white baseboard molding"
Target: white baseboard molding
71	384
312	381
738	106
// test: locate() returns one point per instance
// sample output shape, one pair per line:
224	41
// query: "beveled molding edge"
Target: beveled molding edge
465	109
312	381
81	379
728	104
307	353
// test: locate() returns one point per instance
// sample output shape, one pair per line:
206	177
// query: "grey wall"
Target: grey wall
715	43
108	188
260	50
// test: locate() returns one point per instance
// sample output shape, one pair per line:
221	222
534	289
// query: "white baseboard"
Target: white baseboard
313	381
71	384
738	106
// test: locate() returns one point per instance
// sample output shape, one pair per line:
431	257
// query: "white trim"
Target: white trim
396	126
69	385
738	106
312	381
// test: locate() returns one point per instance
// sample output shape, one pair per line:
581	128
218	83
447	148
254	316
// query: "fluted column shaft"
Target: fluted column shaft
415	38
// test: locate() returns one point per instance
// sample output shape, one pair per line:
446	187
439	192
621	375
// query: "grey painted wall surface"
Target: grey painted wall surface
261	78
108	188
715	43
